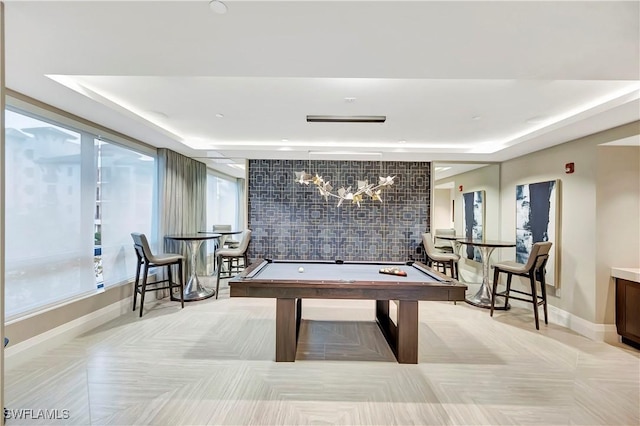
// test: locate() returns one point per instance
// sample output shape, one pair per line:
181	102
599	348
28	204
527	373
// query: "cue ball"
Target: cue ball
301	269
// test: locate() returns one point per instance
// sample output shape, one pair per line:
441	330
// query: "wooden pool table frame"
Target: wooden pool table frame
402	338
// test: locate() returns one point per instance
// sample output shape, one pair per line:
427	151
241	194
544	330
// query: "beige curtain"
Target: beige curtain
182	184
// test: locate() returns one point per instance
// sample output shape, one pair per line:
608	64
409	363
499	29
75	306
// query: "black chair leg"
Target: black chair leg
455	275
181	278
219	260
494	290
508	290
543	290
170	277
143	290
135	284
534	295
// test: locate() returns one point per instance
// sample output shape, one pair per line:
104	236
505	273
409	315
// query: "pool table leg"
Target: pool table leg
286	333
298	318
403	338
408	332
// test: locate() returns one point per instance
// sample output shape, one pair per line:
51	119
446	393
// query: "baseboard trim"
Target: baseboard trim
598	332
19	353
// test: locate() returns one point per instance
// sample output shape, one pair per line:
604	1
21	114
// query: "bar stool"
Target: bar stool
534	269
445	246
438	258
148	260
232	254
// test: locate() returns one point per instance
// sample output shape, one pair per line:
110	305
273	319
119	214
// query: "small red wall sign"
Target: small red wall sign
569	168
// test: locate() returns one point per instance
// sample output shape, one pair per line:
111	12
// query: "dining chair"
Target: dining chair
233	254
534	270
444	245
146	260
438	258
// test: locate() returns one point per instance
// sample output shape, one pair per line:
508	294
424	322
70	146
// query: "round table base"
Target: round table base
202	293
195	291
486	304
482	299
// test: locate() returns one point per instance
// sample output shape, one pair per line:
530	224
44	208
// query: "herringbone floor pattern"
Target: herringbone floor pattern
213	363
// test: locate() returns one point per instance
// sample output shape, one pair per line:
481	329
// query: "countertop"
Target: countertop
631	274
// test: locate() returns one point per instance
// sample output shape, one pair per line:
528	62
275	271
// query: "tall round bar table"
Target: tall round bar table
193	290
456	243
220	234
482	298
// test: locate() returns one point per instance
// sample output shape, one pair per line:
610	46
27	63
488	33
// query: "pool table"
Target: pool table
286	282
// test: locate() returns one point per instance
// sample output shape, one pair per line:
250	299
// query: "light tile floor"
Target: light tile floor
213	363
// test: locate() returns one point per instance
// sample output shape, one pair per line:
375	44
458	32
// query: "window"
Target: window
48	257
71	203
223	207
124	205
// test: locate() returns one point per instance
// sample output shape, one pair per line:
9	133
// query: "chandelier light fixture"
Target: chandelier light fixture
356	197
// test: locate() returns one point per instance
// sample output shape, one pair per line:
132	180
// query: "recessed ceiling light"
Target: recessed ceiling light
285	140
476	117
536	119
158	115
218	7
218	115
350	100
402	141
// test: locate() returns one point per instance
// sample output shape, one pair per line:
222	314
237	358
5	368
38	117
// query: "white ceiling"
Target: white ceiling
458	81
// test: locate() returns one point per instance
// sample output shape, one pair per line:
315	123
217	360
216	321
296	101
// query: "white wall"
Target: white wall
599	215
617	221
441	209
483	179
578	238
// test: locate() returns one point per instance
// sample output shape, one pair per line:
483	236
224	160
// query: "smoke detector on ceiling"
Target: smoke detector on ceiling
217	6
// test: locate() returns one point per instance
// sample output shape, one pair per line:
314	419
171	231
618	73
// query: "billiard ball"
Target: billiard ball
301	269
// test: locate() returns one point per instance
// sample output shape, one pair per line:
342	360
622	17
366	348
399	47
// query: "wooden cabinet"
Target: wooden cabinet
628	311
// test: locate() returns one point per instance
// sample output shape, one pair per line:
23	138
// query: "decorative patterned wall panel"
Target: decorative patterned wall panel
292	221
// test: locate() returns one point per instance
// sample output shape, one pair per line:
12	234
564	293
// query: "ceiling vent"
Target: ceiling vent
346	118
